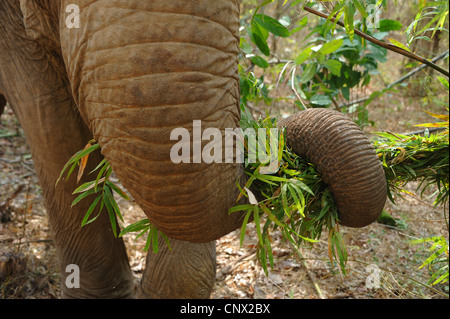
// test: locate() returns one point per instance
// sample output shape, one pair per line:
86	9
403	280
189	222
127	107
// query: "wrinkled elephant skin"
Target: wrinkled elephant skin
127	73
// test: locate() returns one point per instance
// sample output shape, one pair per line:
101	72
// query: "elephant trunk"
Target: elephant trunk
346	160
141	69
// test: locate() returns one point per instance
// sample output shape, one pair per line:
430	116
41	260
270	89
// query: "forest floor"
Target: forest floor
27	251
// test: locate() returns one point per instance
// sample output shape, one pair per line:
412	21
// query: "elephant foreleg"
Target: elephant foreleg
38	92
186	271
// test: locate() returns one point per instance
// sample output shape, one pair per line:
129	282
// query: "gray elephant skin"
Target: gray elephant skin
127	73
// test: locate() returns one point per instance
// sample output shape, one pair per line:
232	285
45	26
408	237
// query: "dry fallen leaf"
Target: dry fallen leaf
83	163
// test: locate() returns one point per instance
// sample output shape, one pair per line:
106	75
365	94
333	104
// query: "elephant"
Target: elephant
126	73
2	103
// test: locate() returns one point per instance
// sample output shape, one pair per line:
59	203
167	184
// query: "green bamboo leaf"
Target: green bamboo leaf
348	21
86	220
103	162
399	44
84	187
269	251
118	190
262	258
74	160
293	191
111	214
166	239
155	241
141	225
301	185
443	278
284	201
433	256
148	242
270	215
257	224
99	179
337	11
83	195
271	178
360	7
240	208
244	226
113	202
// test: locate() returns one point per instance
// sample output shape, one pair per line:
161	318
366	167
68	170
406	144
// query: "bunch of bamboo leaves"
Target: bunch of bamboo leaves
408	158
295	200
424	159
104	188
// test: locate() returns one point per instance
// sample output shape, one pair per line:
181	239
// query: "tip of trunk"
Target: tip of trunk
345	158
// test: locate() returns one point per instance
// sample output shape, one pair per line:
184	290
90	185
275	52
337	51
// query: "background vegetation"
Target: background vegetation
331	57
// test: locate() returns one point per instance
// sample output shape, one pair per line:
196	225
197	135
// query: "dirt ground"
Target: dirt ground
28	260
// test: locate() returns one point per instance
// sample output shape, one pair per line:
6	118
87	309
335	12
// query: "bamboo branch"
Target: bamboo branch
387	46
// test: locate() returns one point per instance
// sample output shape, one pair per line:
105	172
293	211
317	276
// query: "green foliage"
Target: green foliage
104	189
434	14
143	227
416	158
424	159
438	259
329	64
295	200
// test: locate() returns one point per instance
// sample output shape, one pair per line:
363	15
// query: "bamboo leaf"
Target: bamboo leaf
84	187
270	215
111	214
257	224
399	44
76	158
113	202
83	195
155	241
83	162
118	190
244	226
240	208
86	220
141	225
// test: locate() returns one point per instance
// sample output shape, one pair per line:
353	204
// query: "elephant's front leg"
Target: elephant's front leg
93	263
186	271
